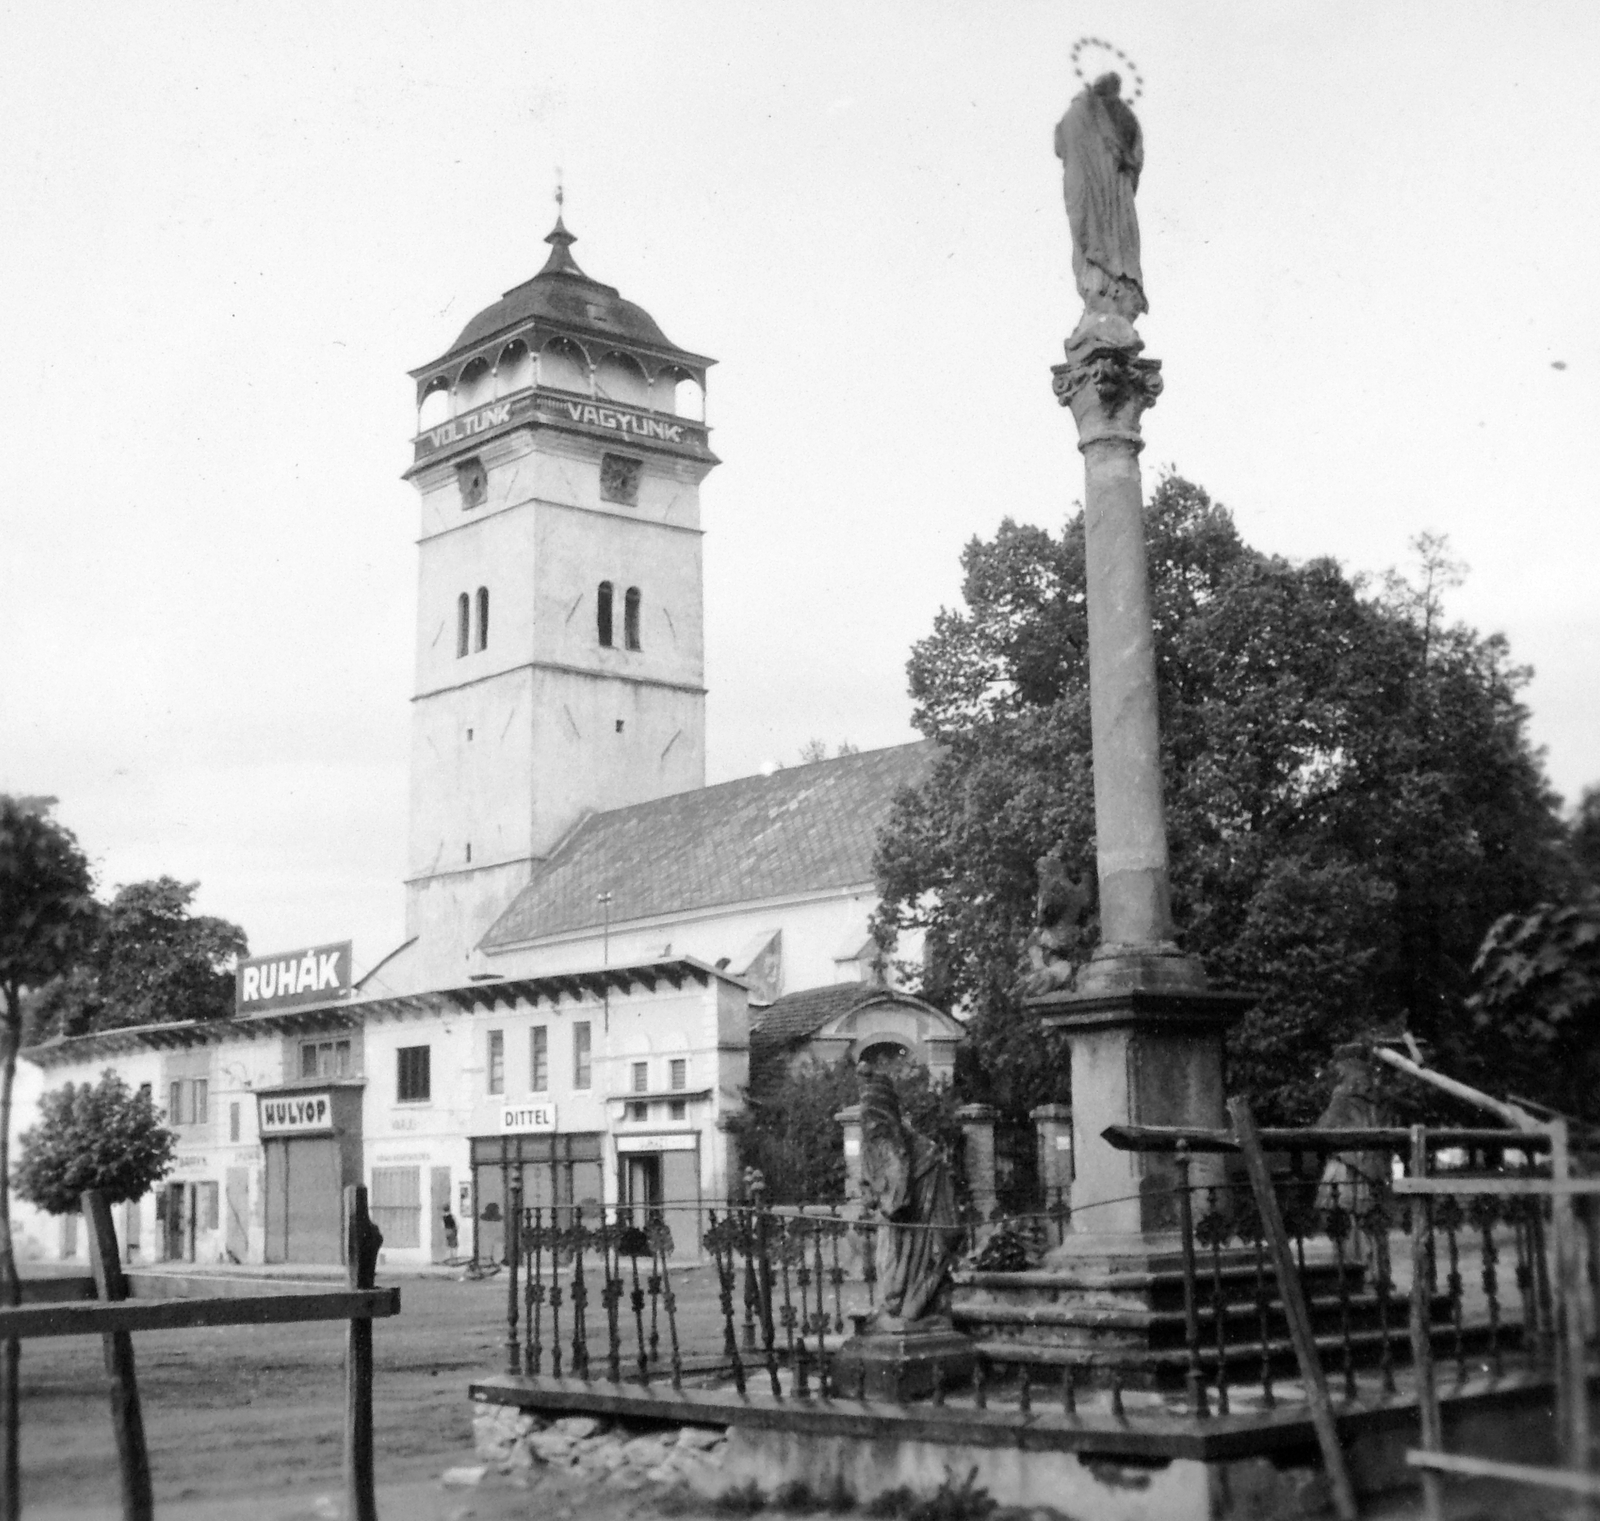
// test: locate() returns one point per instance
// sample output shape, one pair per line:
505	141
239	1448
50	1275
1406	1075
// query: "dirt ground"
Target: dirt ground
236	1412
246	1423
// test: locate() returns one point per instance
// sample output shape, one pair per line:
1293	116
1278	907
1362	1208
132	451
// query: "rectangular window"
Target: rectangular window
638	1113
201	1090
325	1058
397	1201
206	1206
679	1073
175	1105
146	1092
539	1060
415	1085
678	1109
233	1122
641	1077
497	1061
581	1068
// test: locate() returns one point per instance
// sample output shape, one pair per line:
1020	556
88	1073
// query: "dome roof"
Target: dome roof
563	294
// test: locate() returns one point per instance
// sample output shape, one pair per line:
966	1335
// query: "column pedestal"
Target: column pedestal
1139	1057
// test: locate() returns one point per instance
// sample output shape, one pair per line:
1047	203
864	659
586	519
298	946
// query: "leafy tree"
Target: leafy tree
152	962
47	917
102	1135
1351	795
788	1130
1535	1017
1585	835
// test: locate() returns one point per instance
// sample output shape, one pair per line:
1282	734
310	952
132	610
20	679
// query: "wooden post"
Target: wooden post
1428	1418
361	1262
127	1419
1294	1309
1572	1406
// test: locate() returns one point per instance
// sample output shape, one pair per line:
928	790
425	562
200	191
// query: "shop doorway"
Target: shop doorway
660	1181
305	1207
640	1186
177	1222
559	1174
439	1206
236	1193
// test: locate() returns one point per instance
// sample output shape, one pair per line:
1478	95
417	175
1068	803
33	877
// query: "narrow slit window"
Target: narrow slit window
603	614
539	1061
582	1069
641	1077
483	617
497	1061
630	618
463	623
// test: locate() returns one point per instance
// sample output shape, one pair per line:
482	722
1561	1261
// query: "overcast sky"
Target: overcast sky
229	231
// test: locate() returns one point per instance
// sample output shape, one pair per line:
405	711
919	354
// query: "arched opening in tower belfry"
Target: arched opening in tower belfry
435	405
620	377
564	366
514	372
475	386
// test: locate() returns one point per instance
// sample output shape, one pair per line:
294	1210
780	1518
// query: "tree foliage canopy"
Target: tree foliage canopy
47	913
1351	795
1536	1011
788	1131
152	961
93	1135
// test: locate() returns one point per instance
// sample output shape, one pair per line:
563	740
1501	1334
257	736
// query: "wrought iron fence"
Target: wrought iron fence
596	1293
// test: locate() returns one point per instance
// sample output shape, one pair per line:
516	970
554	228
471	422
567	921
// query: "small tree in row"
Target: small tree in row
101	1135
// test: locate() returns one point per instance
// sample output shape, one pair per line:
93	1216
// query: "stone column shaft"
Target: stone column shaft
1130	824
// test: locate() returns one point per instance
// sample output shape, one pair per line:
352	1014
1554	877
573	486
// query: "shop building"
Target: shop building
583	1089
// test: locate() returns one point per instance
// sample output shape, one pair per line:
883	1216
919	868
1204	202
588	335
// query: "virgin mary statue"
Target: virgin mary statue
1102	151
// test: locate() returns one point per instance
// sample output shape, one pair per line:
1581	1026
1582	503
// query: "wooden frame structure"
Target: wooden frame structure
114	1304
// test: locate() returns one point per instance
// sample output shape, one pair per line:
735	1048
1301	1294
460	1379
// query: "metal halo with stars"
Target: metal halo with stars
1123	65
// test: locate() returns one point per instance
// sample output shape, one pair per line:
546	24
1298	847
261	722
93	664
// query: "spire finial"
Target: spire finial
560	240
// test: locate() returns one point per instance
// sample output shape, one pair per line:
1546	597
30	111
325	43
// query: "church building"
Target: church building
594	938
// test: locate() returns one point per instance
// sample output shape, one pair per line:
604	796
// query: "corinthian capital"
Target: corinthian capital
1108	390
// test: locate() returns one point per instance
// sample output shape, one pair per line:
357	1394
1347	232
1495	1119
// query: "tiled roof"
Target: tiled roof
802	829
798	1015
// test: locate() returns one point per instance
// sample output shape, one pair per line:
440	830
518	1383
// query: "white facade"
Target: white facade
667	1060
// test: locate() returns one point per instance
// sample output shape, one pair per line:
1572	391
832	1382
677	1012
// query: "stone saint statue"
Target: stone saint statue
1102	151
1058	928
907	1183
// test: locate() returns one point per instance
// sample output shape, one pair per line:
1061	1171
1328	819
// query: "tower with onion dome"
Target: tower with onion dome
560	664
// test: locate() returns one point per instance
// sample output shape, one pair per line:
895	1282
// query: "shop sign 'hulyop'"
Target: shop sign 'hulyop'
295	1113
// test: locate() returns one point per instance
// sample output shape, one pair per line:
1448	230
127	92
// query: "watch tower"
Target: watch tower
560	665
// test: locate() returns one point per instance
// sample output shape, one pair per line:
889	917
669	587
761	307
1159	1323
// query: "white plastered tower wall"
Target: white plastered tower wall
541	723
